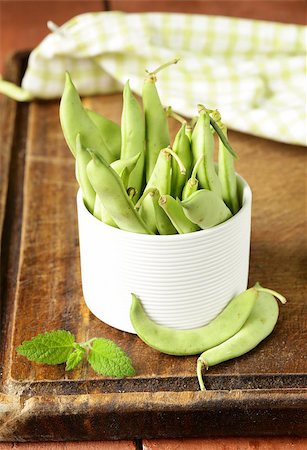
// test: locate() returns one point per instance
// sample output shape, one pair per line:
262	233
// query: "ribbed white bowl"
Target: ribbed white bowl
183	280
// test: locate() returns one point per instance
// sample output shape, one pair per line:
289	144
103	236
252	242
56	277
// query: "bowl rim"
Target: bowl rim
247	200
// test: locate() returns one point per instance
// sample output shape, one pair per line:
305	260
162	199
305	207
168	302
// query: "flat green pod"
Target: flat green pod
133	138
259	324
206	209
156	126
75	120
163	223
227	176
82	160
194	341
110	131
176	215
203	145
182	147
113	196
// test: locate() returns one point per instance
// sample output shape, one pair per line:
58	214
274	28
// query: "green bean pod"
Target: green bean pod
192	183
176	215
257	327
203	145
133	137
75	120
160	179
227	176
191	342
82	160
124	167
113	196
163	223
90	198
110	131
206	209
101	214
182	147
188	131
97	208
156	128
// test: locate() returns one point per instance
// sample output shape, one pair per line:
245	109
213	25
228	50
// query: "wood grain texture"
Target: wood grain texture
261	393
226	444
100	445
171	444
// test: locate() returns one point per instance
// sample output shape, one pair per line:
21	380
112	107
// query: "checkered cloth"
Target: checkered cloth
254	72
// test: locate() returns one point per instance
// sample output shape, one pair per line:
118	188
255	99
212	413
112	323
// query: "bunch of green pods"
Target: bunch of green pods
134	178
247	320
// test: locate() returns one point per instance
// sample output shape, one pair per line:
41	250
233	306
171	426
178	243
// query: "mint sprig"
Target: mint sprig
75	357
50	348
59	346
106	357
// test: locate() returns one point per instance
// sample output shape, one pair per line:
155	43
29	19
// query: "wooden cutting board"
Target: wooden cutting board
261	393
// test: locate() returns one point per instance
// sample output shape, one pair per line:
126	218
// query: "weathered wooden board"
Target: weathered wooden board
261	393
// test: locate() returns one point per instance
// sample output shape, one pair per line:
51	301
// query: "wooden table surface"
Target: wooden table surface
16	35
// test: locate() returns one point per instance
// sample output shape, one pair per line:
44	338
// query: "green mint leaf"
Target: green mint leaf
106	358
51	347
75	357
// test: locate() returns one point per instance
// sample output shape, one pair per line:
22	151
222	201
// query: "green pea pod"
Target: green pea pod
91	200
259	324
156	128
176	215
160	179
110	131
221	135
190	342
192	183
133	137
188	131
101	214
97	208
164	225
74	119
82	160
182	148
203	145
15	92
124	167
206	209
227	176
113	196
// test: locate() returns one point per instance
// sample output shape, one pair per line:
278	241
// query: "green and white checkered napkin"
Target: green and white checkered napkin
254	72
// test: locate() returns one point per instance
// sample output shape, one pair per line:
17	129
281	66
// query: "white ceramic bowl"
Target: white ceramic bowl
183	280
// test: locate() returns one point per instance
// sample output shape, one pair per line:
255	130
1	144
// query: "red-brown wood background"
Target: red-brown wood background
23	25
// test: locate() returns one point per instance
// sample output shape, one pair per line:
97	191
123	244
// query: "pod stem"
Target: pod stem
203	108
193	121
151	190
174	115
163	66
196	167
216	116
162	200
178	160
280	297
131	192
223	137
200	364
